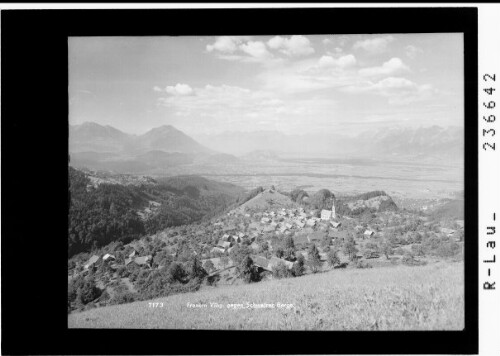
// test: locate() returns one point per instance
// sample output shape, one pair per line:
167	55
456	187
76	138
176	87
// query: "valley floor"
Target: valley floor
427	297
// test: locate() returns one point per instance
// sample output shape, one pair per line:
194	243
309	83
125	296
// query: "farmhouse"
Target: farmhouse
91	261
448	232
217	249
335	224
368	233
341	235
107	256
260	261
315	236
275	260
311	222
255	246
143	261
224	244
269	229
229	228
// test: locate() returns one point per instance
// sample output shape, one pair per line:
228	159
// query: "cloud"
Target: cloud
412	51
344	61
375	45
398	90
240	48
179	89
226	44
227	105
297	45
255	49
392	66
157	89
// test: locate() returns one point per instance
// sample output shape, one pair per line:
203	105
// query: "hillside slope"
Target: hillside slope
399	298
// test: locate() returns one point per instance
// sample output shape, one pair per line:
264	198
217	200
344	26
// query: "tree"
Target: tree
299	266
298	194
196	269
239	252
333	258
350	249
313	259
322	199
224	260
88	291
247	270
209	266
280	270
176	272
386	249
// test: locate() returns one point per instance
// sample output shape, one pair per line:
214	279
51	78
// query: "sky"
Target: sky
297	84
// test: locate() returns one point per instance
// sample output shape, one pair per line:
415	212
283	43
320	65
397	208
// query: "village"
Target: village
262	225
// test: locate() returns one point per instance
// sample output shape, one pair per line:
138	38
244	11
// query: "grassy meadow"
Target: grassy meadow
394	298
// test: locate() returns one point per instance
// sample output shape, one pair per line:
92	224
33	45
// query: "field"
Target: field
399	180
393	298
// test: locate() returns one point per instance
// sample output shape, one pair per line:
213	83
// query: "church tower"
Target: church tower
334	216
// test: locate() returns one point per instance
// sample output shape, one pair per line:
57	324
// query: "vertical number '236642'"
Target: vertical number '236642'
490	105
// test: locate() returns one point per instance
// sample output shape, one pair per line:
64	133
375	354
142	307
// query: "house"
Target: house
224	244
341	235
315	236
132	254
143	261
127	261
283	229
236	239
254	246
368	233
106	256
91	261
217	249
300	239
261	262
302	215
288	225
254	226
241	235
326	214
228	228
226	237
300	224
269	229
275	260
311	222
335	224
448	232
265	220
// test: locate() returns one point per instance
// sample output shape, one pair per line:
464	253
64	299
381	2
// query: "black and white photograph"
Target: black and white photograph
278	182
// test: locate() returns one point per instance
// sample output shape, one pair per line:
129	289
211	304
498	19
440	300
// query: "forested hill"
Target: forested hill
103	213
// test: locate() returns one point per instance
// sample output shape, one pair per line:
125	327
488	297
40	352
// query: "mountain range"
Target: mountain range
106	148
